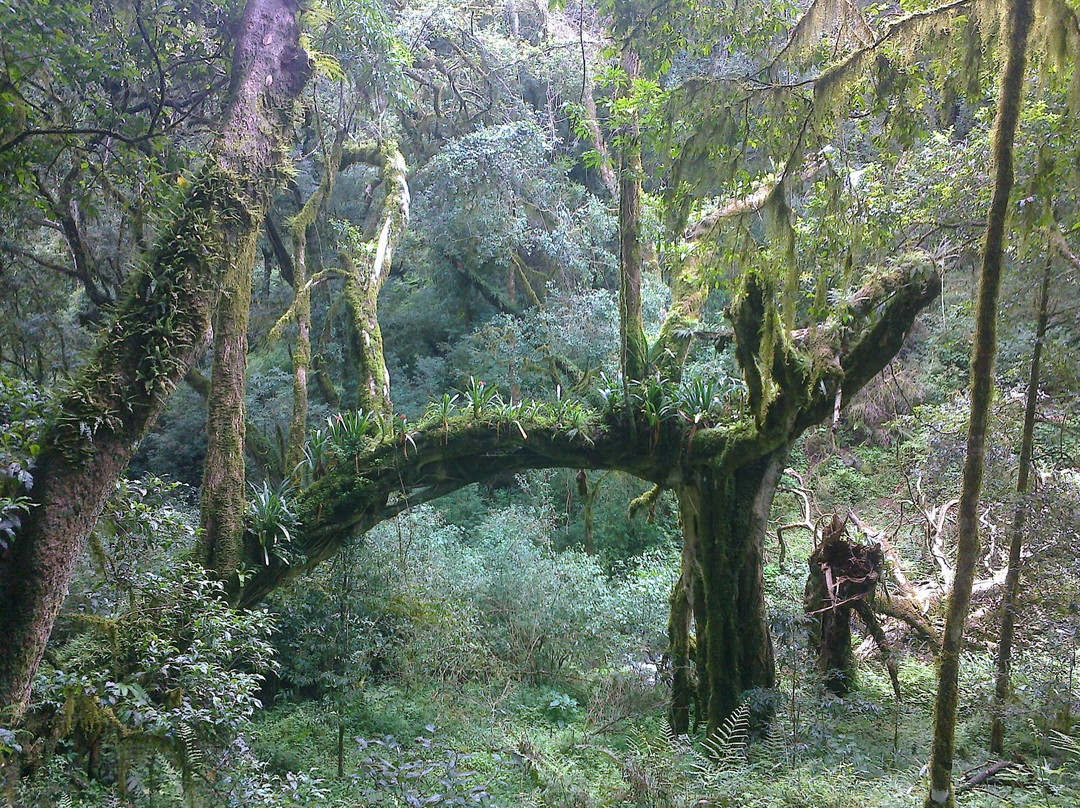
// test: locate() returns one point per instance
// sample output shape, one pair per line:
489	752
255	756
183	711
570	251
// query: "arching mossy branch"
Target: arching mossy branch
410	465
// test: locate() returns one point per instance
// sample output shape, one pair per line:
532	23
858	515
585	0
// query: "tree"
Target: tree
1016	540
160	327
722	456
984	350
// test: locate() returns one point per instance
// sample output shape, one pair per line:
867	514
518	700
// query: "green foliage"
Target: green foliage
156	673
272	521
349	433
22	418
423	774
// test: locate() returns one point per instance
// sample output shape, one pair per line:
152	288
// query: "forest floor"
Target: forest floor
604	742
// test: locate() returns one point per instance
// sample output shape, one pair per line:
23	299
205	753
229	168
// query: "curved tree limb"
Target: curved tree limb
440	456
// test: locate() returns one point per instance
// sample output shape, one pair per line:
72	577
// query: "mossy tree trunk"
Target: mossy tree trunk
724	516
680	646
633	349
223	495
364	279
160	329
1016	541
984	350
364	268
301	352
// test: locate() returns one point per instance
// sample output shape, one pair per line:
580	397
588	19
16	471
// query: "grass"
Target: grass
863	751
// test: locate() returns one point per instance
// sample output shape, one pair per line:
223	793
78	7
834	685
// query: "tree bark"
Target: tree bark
633	350
680	651
984	350
223	498
1016	543
365	279
161	327
301	353
724	518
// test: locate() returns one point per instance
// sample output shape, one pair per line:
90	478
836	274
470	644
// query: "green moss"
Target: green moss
164	315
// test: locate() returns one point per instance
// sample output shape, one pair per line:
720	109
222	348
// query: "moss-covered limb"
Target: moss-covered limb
888	656
793	382
436	459
645	502
633	348
490	293
984	351
364	152
588	495
830	84
301	361
160	329
902	609
526	284
690	285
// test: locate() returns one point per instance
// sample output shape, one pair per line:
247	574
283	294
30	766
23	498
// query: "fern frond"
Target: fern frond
726	748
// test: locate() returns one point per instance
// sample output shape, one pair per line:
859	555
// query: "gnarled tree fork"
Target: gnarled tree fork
724	473
160	328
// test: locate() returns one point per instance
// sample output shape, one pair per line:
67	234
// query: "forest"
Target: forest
541	403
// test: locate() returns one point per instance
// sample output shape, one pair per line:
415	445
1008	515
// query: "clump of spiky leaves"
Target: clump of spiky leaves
272	521
319	456
351	432
480	399
442	411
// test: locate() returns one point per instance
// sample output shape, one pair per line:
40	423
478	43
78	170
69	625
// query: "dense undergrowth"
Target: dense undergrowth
472	654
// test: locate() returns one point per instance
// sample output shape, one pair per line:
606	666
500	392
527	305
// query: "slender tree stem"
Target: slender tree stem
982	384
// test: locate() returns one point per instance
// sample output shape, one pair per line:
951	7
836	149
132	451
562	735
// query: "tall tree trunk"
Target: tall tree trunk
223	494
365	279
1016	543
633	349
724	516
682	602
301	357
984	351
161	327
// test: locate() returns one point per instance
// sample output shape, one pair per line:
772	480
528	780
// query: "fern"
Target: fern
726	748
1066	745
191	760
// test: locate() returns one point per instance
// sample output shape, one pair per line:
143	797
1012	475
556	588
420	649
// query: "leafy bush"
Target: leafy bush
419	775
151	674
22	417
